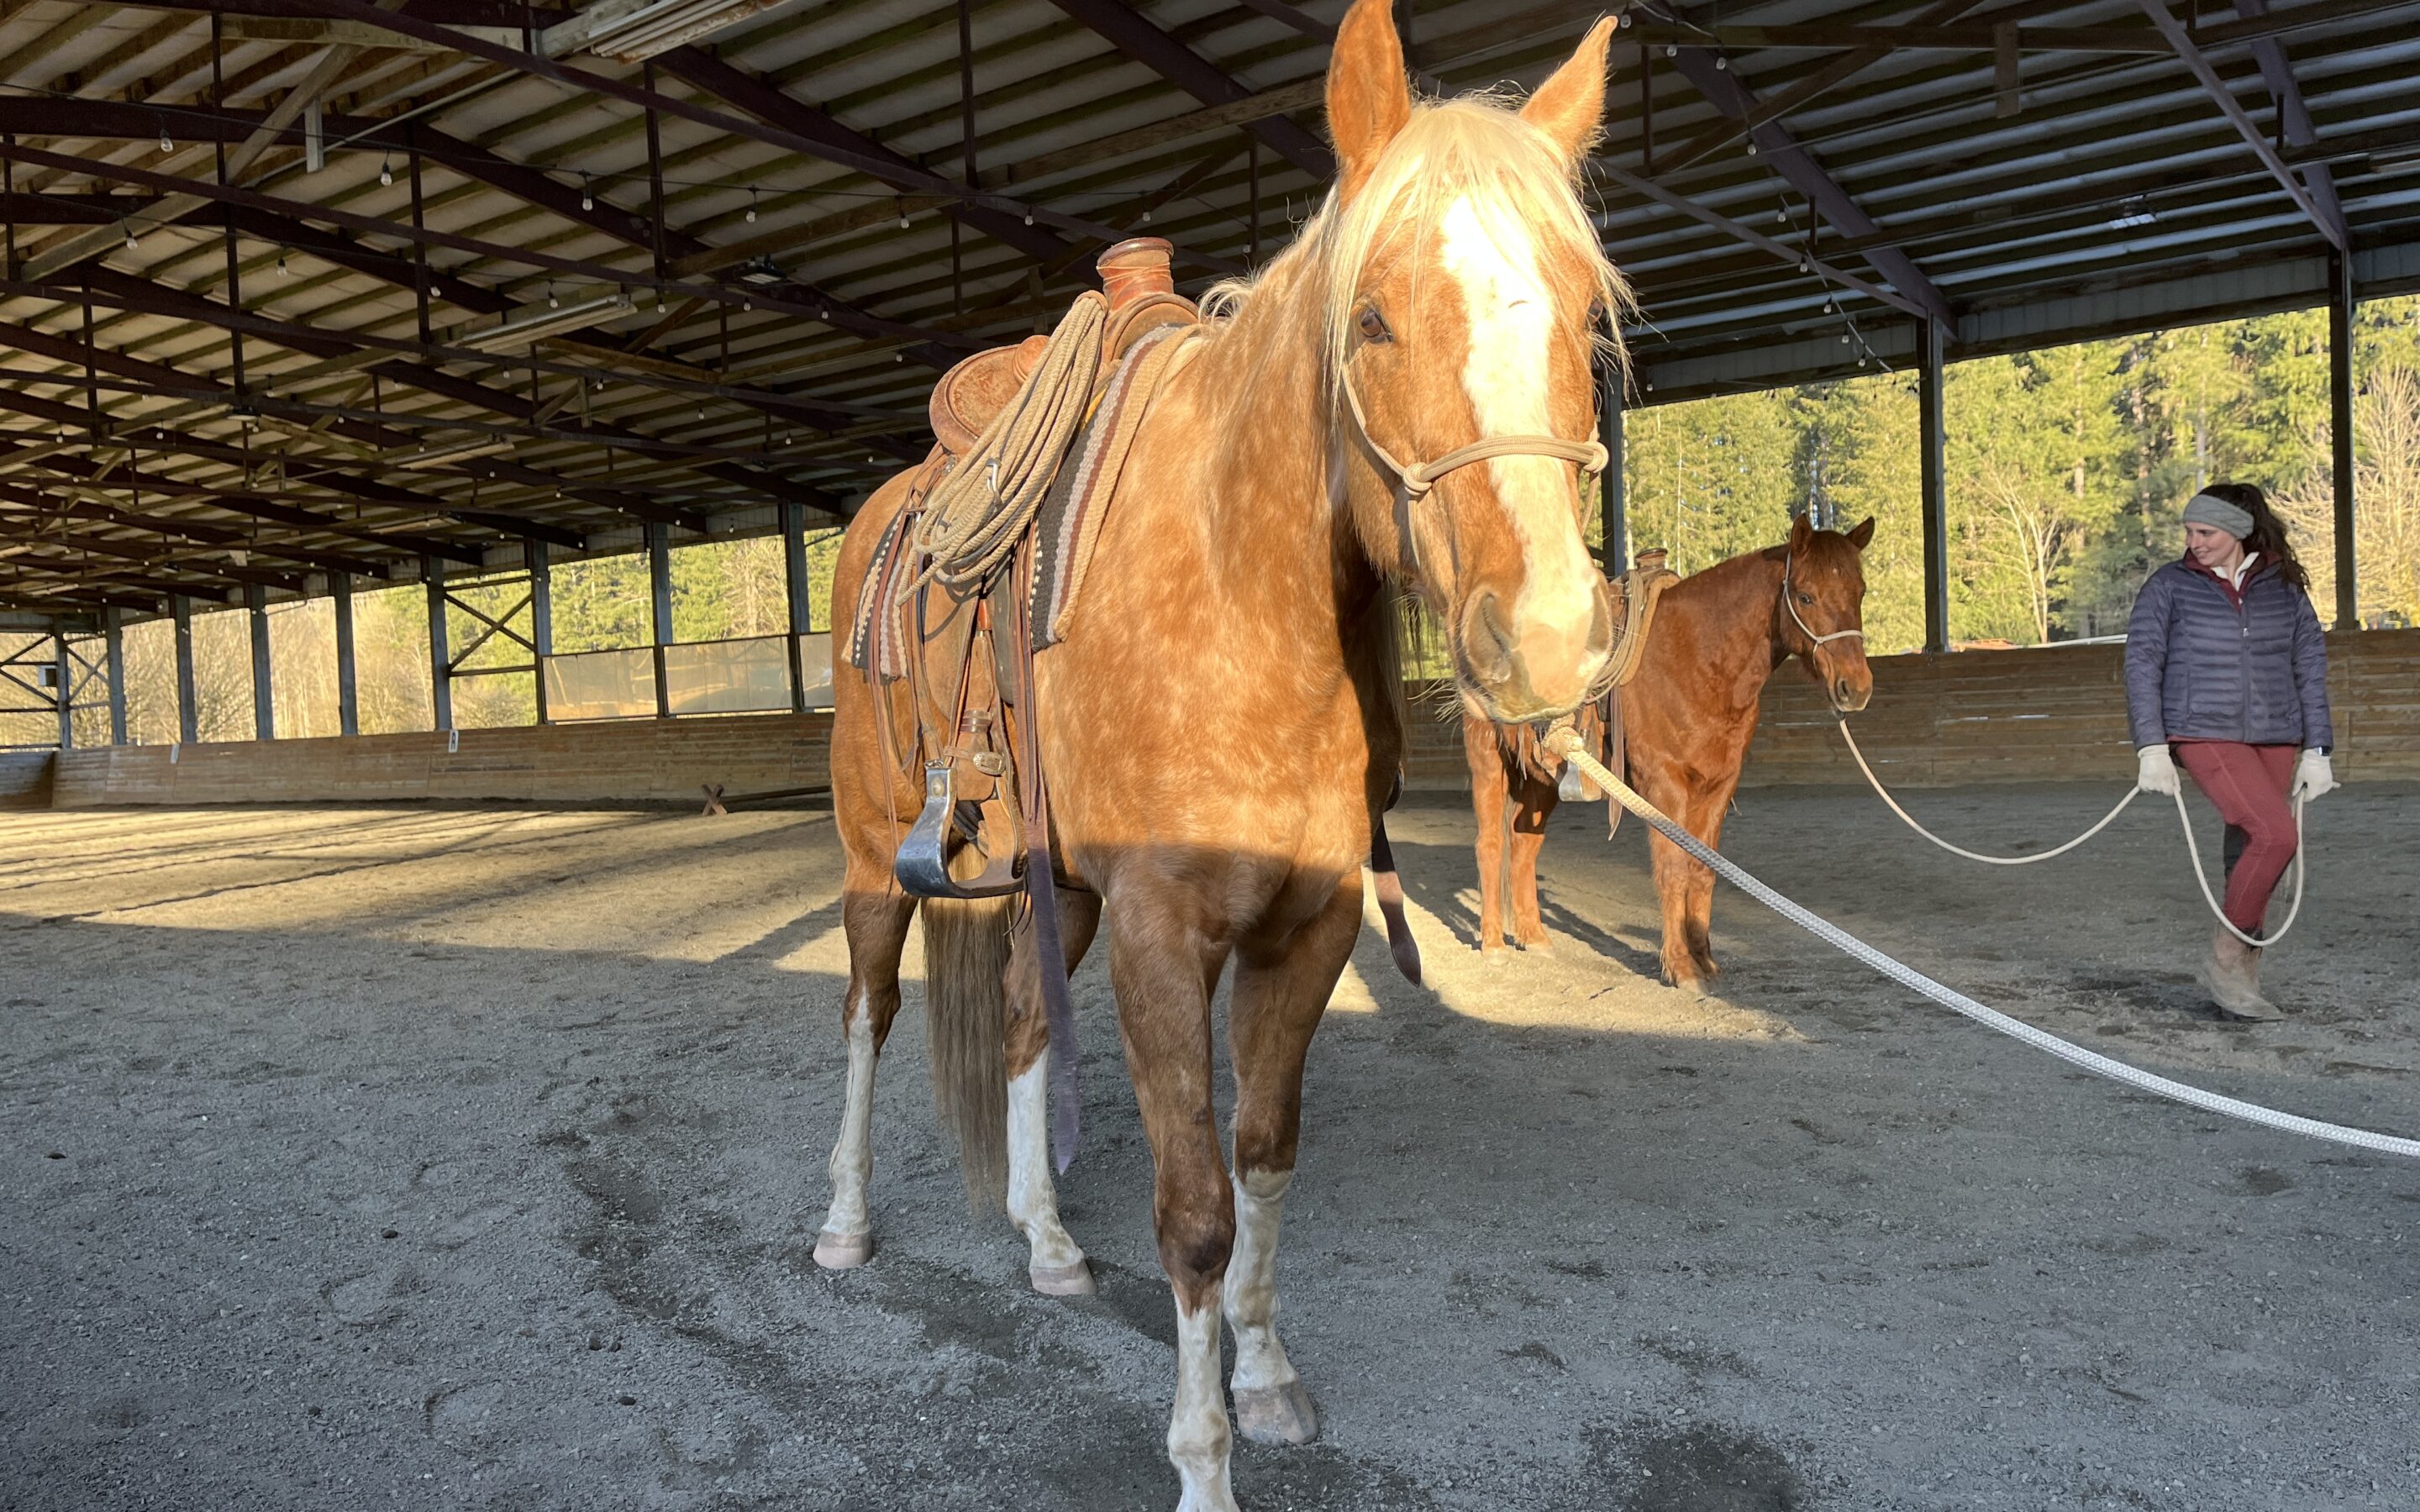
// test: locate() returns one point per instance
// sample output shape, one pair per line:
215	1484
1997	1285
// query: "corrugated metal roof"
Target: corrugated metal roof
2106	189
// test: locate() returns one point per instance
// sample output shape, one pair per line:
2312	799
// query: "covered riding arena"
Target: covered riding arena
424	426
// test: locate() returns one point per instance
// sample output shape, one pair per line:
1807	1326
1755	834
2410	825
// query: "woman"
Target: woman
2226	666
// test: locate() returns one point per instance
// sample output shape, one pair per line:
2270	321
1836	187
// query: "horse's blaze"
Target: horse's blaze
1546	626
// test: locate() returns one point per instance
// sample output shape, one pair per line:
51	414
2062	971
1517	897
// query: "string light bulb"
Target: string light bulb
129	238
752	207
587	200
1028	217
554	301
283	272
1146	217
903	219
386	173
166	146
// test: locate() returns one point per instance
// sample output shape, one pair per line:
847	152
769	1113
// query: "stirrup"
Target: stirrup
923	864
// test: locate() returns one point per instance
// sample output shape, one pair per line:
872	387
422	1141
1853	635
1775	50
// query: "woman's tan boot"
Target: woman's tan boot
2232	974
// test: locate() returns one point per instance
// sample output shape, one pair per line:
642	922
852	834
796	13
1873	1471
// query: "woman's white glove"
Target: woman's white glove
2159	771
2314	776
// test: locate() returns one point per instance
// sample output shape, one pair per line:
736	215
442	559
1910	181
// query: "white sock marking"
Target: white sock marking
852	1157
1251	1288
1032	1198
1198	1433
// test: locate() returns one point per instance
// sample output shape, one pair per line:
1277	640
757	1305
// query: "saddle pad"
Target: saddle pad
878	640
1069	525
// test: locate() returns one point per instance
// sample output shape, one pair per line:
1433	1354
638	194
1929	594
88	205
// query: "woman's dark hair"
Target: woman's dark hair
2267	535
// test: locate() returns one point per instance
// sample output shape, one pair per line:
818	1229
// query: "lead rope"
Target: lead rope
2192	848
1566	743
981	509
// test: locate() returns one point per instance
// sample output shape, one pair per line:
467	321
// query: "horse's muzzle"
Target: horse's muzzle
1531	670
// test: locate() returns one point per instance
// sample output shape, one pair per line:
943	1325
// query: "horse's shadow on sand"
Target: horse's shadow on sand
1437	878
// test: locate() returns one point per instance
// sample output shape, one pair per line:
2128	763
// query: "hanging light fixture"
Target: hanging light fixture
752	207
587	200
283	272
166	146
386	173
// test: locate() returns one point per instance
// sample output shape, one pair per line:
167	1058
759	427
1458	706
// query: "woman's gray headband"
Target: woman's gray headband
2210	509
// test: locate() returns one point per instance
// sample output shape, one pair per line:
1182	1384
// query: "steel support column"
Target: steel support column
441	673
187	724
659	592
541	589
63	674
2340	435
113	621
794	584
348	695
1613	489
1930	444
264	707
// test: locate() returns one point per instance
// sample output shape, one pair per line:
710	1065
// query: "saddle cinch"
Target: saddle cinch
959	607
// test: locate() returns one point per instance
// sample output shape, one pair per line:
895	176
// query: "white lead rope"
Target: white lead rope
2192	847
1566	743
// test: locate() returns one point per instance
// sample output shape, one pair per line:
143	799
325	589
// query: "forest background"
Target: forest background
2066	469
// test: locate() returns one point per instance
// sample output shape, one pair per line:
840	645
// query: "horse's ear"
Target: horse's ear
1862	533
1369	99
1800	533
1569	107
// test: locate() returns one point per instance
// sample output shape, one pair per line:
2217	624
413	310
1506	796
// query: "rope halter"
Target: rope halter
1816	643
1419	477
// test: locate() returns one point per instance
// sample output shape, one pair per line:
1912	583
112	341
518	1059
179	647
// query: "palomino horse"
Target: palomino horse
1398	397
1686	722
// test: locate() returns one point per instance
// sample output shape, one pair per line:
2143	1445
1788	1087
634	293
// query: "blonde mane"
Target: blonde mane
1476	147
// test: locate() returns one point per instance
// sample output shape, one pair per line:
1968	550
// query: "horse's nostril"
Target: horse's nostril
1600	641
1487	640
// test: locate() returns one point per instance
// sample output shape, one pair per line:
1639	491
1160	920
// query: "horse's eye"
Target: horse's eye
1807	598
1596	312
1374	325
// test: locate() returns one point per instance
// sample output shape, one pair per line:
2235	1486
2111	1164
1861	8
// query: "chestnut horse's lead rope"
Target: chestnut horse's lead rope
1566	743
2192	848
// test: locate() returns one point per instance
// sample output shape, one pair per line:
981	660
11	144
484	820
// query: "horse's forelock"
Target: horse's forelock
1478	149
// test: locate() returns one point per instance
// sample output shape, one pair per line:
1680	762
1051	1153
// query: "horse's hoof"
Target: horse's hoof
1495	955
843	1252
1407	959
1062	1280
1543	944
1277	1414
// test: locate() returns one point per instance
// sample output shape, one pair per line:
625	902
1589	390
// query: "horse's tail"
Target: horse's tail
966	1007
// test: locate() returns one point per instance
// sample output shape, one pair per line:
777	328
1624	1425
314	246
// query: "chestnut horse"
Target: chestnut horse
1687	719
1401	397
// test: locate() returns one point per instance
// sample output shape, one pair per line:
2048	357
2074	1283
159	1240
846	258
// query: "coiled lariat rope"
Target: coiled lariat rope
980	511
2192	848
1566	743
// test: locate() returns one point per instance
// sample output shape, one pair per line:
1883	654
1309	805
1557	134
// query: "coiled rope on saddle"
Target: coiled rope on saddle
1566	743
982	508
2192	847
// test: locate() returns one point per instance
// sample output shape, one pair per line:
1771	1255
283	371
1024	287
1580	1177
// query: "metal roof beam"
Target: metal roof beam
669	105
2278	74
11	499
114	120
1726	92
769	103
1140	40
1754	237
2330	226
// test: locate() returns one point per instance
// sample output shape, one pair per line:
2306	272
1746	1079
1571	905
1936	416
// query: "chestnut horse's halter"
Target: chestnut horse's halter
1419	478
1816	643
